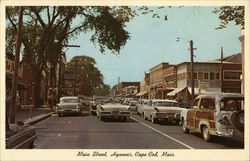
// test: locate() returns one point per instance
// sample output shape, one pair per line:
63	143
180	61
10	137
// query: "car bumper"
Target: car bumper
166	116
69	111
115	115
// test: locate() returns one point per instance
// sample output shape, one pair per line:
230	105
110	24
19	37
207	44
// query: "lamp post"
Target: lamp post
191	64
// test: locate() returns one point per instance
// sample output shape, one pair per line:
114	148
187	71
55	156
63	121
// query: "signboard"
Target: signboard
204	85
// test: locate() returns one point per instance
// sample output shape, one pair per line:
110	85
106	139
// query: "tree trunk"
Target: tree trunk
37	89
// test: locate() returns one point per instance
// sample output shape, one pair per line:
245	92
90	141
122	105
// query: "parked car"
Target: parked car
133	105
126	100
112	110
69	105
95	101
219	114
20	136
166	110
140	105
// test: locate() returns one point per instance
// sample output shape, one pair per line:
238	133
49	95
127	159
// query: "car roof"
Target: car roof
68	97
163	100
220	95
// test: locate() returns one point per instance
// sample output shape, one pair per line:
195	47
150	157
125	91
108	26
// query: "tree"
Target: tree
48	29
102	91
88	77
231	14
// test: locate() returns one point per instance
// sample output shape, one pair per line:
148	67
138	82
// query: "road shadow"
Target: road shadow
119	120
232	142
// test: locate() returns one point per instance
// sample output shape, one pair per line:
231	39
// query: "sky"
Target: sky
153	41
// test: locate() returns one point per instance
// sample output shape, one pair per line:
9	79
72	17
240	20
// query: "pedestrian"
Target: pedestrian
18	101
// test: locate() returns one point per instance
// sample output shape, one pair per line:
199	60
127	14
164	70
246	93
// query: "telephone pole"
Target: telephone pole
192	67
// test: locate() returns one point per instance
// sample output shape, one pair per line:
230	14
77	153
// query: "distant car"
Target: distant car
219	114
133	105
20	136
113	110
126	100
165	110
69	105
139	106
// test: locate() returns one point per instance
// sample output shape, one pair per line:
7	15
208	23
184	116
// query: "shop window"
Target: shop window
212	77
200	76
206	76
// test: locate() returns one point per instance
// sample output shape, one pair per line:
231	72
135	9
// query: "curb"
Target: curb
37	118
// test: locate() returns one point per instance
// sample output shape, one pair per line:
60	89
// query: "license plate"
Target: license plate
170	115
115	112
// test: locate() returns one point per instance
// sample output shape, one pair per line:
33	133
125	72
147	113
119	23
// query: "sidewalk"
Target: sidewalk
32	115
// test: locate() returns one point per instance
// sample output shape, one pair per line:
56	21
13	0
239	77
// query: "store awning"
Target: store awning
176	90
142	93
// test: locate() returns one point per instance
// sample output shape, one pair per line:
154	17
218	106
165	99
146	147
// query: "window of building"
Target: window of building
217	75
212	76
232	75
195	76
206	76
200	76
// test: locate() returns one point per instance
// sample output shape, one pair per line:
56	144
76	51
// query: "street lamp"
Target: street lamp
191	62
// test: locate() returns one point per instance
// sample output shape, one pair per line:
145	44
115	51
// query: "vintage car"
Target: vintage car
166	110
140	105
69	105
20	136
112	110
219	114
132	106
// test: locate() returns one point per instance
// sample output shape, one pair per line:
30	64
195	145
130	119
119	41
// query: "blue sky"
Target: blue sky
154	41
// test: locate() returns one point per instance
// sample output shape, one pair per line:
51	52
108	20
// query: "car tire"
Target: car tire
184	129
145	118
31	145
153	120
60	115
205	133
102	118
124	119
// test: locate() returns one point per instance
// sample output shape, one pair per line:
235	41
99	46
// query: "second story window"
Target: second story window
232	75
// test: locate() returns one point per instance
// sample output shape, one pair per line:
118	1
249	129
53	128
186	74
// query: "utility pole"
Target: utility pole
75	78
15	76
192	67
221	69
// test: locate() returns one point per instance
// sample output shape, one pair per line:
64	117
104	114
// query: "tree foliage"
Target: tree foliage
231	14
88	77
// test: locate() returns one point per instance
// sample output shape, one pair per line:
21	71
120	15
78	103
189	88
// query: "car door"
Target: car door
191	115
207	112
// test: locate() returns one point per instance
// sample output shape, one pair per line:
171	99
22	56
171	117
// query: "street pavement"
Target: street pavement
88	132
23	114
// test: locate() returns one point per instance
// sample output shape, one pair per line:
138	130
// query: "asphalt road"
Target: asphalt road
88	132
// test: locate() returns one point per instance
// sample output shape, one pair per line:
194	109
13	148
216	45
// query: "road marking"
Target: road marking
163	134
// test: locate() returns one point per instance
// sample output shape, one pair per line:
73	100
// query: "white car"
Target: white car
139	106
166	110
112	110
68	105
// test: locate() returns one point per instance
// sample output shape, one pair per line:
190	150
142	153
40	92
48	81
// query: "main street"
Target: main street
88	132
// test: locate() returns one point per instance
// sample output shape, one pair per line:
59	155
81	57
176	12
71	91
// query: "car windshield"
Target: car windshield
232	104
70	100
166	104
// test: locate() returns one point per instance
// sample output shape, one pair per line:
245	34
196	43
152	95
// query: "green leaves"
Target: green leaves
230	13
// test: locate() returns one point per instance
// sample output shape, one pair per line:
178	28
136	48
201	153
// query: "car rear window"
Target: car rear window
70	101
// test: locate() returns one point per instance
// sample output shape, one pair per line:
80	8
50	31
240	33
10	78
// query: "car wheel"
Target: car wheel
205	133
153	120
102	118
145	118
60	115
124	119
185	130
